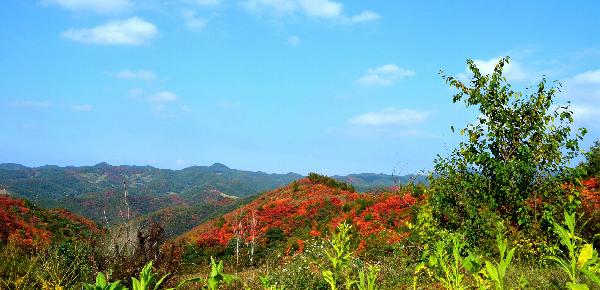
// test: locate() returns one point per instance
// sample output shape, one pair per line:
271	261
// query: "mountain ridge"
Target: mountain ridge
97	192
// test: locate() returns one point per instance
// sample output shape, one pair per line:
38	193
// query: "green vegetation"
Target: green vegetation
513	164
102	284
592	160
490	218
496	272
331	182
340	257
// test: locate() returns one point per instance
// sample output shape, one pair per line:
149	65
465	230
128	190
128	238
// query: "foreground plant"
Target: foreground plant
218	276
339	256
582	257
147	279
448	267
366	279
102	284
496	272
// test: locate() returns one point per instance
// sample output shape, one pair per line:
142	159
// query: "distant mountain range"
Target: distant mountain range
183	197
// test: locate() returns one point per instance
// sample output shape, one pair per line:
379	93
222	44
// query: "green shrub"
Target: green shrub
326	180
515	156
592	160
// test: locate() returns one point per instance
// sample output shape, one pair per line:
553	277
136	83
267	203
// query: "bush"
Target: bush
512	165
326	180
592	160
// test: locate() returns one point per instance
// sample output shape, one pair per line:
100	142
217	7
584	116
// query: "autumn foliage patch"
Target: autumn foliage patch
27	226
309	208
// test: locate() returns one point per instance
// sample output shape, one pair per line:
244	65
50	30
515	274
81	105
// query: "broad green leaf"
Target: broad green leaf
100	280
575	286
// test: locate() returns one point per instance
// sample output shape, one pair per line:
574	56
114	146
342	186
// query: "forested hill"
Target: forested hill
54	182
192	194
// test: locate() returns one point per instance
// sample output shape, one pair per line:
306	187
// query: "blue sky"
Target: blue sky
329	86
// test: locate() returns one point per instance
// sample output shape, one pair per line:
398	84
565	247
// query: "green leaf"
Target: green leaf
575	286
591	276
100	280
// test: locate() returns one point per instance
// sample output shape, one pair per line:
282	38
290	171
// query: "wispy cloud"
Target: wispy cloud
293	40
365	16
591	77
586	112
384	75
390	116
160	100
133	31
391	122
207	2
584	86
30	104
583	90
144	75
82	108
318	9
192	21
97	6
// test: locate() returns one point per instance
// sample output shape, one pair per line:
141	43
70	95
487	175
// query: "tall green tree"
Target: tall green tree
514	161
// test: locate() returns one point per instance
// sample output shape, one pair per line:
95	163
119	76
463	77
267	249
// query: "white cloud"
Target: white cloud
144	75
321	8
133	31
207	2
293	40
82	108
390	116
318	9
513	71
586	112
30	104
584	87
192	21
583	90
98	6
365	16
276	7
591	77
384	75
163	97
160	100
180	162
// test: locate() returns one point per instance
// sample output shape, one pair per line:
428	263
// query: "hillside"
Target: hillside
179	199
97	191
287	217
26	225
